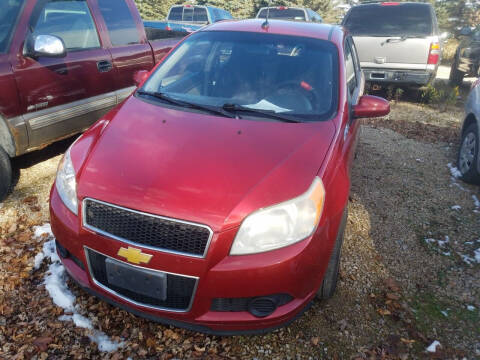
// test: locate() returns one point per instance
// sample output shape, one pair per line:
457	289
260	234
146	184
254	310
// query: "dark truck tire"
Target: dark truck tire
468	155
329	283
456	76
6	175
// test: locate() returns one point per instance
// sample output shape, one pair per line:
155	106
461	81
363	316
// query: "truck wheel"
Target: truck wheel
329	283
6	174
468	155
456	76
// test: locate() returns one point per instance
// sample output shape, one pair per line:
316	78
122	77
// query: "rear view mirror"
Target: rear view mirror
45	46
466	31
371	106
140	76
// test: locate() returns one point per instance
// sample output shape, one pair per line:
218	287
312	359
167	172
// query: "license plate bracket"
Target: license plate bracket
142	281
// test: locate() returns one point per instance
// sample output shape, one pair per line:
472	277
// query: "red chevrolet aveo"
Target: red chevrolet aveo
214	198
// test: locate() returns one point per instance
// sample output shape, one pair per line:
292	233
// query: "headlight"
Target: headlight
66	183
282	224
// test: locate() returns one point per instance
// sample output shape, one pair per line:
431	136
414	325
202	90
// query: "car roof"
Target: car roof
282	27
391	3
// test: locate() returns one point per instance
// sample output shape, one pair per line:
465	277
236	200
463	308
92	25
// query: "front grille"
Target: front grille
180	289
242	304
144	229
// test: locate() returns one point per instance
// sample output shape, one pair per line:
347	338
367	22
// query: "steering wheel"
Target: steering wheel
302	89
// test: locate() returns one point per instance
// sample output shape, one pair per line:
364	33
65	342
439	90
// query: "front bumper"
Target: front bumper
296	270
399	76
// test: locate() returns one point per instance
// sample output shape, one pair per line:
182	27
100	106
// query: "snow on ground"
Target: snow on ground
433	347
456	207
56	285
470	307
454	171
476	202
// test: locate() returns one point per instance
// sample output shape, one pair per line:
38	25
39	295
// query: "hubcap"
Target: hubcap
467	152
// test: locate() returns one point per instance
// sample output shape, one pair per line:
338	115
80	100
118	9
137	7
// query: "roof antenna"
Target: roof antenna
266	24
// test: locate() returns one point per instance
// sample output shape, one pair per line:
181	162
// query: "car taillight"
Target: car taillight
434	55
168	28
390	3
282	8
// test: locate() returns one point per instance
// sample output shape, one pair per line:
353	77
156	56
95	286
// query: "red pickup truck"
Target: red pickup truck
63	64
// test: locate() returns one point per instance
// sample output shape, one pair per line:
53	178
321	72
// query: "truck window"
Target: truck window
70	20
176	13
9	11
391	20
283	13
120	23
187	14
200	15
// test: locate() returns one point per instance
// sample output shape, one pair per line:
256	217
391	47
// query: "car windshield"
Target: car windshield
282	13
289	75
390	20
9	10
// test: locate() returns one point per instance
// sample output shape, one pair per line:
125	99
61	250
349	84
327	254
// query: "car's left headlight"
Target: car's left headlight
66	183
282	224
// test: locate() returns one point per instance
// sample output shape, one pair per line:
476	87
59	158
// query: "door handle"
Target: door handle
104	66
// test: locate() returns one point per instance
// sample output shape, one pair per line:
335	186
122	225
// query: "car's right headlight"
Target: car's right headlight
66	183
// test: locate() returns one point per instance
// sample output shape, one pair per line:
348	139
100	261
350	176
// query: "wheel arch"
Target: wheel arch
470	119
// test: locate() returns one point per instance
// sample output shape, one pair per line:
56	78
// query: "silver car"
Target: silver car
469	153
397	42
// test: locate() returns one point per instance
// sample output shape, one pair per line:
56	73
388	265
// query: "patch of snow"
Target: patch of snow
37	262
468	243
470	308
467	259
476	202
444	313
477	255
454	183
419	160
433	346
39	231
456	207
56	285
454	171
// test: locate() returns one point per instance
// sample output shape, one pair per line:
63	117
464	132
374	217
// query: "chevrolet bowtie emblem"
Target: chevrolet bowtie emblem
134	256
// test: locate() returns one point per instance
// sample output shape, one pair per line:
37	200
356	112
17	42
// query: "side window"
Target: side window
200	15
70	20
120	23
175	13
350	69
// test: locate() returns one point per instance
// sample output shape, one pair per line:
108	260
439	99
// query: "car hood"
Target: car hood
198	167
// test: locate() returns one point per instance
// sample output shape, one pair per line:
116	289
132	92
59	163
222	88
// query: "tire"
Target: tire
6	175
329	283
456	76
468	155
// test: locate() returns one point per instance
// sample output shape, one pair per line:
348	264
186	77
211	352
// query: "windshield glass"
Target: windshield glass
9	10
392	20
282	74
283	13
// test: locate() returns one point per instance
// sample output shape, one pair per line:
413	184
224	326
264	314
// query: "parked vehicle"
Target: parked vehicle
289	13
189	18
63	64
397	42
467	57
215	197
469	154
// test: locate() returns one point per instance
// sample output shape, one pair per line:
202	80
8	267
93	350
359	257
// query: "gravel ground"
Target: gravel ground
406	278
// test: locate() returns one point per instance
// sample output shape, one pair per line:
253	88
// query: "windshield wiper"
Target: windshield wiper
182	103
267	113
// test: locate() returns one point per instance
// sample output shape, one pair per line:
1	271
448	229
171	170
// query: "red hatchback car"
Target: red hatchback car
215	197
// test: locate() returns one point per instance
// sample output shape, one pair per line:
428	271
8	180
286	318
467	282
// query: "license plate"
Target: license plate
142	281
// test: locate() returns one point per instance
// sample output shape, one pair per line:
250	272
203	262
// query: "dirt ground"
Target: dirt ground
408	277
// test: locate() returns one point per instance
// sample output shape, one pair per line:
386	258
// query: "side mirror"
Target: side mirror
45	46
140	76
371	106
466	31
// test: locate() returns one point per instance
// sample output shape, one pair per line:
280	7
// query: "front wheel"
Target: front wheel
6	174
329	283
468	155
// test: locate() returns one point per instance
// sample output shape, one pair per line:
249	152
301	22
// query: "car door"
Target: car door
128	46
62	96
